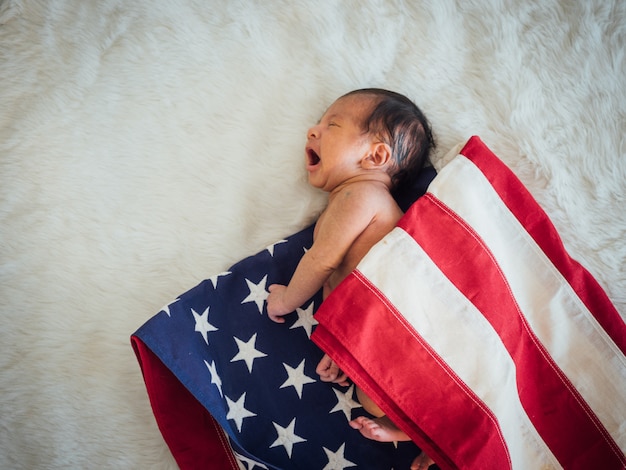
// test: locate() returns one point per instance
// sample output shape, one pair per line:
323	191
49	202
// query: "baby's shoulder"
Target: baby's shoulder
366	197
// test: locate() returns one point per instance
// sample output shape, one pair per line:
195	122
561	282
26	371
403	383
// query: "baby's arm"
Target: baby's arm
308	278
348	214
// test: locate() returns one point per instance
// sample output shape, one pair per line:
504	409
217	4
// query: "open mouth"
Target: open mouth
312	157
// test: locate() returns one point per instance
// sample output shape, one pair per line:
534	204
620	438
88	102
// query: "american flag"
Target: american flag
469	325
226	382
482	338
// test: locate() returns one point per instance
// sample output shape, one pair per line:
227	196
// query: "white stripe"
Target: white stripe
562	323
460	335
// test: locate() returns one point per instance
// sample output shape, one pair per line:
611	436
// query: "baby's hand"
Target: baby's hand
275	303
330	372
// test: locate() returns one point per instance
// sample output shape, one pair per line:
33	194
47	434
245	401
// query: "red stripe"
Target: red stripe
521	203
357	327
560	415
192	434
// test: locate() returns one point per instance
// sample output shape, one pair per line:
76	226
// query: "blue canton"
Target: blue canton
257	378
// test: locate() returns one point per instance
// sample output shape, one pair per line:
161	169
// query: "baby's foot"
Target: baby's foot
422	462
379	429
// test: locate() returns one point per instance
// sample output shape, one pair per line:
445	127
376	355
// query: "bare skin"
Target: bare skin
353	167
382	429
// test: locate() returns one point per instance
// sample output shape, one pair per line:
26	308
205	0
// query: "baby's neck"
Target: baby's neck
376	180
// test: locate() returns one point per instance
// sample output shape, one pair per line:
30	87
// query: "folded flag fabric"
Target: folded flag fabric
478	335
228	385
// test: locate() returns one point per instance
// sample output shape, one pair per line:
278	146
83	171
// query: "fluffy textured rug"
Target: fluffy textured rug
145	146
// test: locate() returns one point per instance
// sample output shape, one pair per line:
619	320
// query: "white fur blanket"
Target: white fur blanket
147	145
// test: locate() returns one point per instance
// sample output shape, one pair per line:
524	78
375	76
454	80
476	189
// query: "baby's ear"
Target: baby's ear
379	156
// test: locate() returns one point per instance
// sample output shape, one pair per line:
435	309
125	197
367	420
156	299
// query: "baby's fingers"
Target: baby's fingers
276	318
330	372
341	379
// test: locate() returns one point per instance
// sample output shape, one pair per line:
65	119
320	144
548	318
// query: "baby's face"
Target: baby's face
337	144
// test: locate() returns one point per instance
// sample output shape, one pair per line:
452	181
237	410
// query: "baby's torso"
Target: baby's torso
385	218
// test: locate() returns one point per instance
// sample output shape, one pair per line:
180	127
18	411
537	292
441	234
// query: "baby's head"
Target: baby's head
395	120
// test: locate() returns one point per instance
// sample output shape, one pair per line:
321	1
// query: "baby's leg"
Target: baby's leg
367	403
381	428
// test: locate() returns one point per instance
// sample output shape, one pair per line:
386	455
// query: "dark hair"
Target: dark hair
398	122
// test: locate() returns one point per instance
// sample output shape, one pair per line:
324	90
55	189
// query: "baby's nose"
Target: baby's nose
313	132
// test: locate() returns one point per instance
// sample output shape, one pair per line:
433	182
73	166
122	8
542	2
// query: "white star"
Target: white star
237	412
336	460
215	378
296	378
166	309
345	402
215	278
202	324
287	437
250	464
247	352
305	319
271	247
258	294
